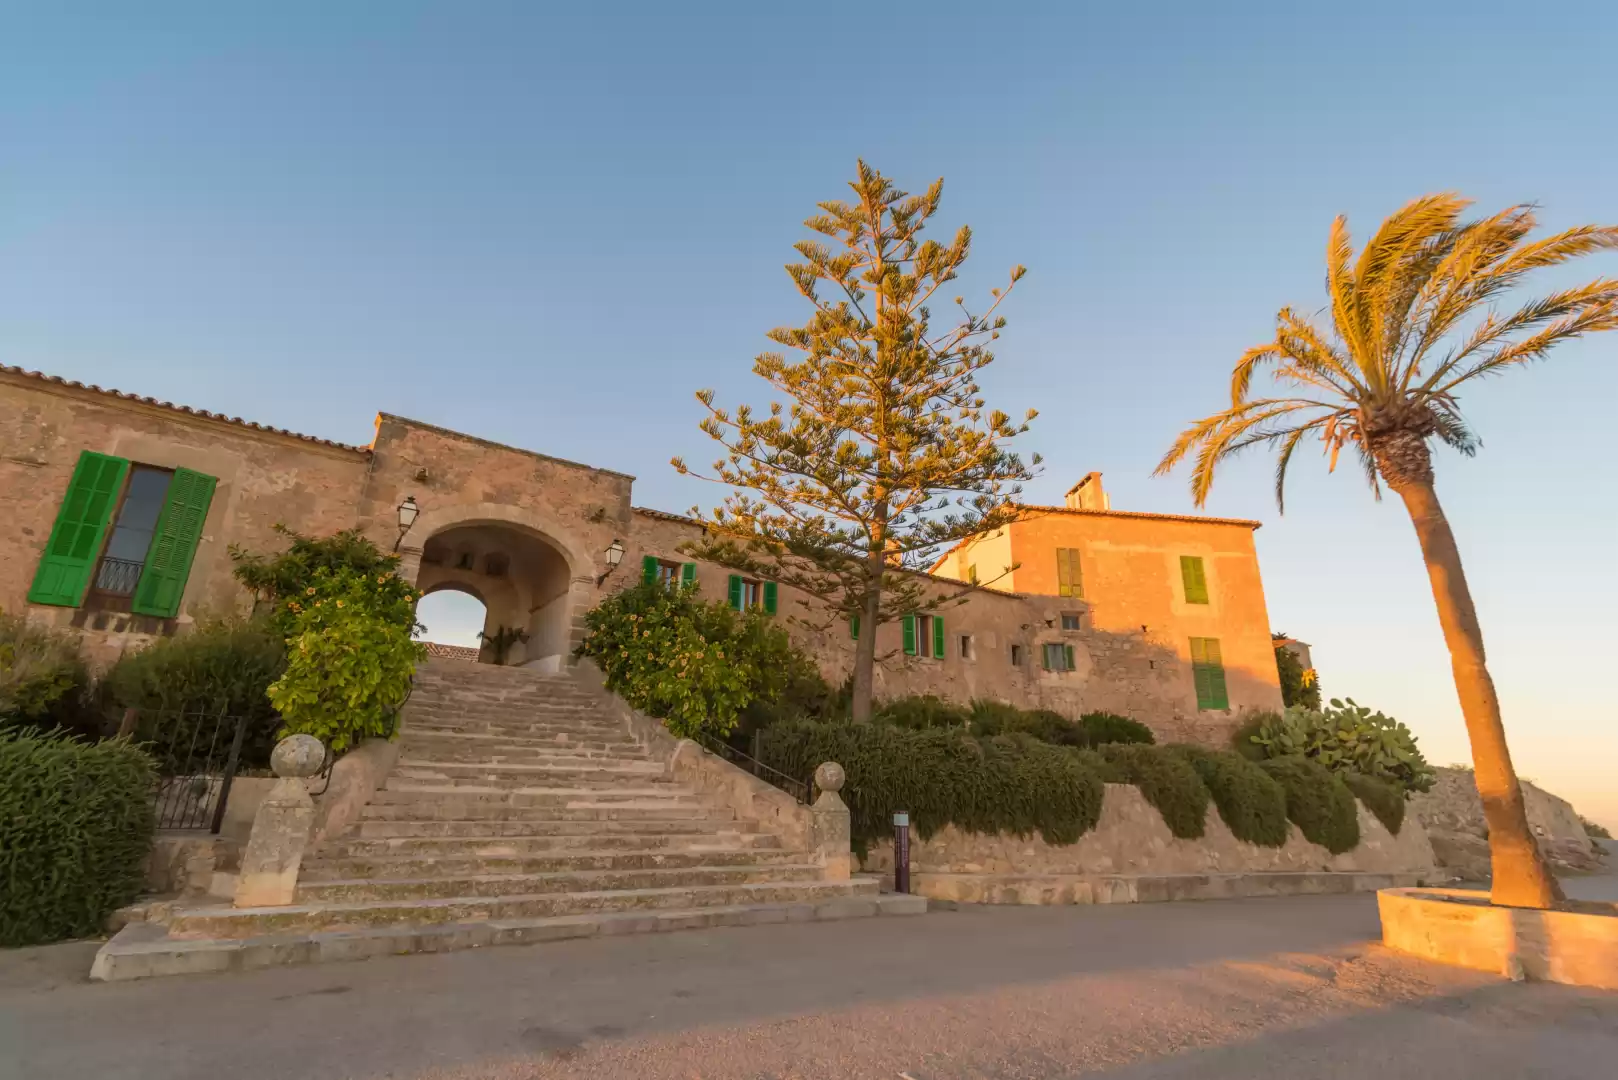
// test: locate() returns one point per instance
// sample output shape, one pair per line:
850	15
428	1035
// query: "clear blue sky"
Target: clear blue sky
550	229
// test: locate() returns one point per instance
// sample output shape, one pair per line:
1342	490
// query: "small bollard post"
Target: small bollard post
901	852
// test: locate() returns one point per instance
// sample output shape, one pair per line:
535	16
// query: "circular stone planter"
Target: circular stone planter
1576	944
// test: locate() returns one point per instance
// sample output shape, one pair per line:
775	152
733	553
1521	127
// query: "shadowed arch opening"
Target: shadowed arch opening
522	580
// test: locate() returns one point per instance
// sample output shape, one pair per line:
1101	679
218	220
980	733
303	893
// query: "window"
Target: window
1058	657
121	563
923	635
1069	582
1194	579
1016	656
129	530
966	646
1070	620
1208	673
748	593
972	573
667	572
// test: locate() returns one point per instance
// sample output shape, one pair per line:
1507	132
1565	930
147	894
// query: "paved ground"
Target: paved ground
1241	989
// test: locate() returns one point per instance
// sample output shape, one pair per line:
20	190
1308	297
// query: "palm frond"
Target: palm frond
1281	461
1383	276
1586	320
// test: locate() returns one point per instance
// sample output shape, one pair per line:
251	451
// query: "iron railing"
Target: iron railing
798	789
197	753
118	577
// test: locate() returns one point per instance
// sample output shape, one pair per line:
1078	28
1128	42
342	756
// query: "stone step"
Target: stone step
527	775
464	864
451	787
520	732
585	814
442	887
651	789
513	828
587	843
227	922
145	950
482	748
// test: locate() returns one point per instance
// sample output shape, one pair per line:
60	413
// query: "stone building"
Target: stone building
119	512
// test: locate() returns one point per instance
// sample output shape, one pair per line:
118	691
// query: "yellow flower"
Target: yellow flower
311	590
339	603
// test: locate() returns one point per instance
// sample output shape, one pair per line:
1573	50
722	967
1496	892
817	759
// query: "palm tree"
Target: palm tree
1412	322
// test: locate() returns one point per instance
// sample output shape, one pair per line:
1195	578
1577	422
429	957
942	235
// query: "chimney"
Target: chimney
1087	494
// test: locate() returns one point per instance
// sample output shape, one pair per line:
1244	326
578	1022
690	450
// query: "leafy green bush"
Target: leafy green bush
276	580
1299	685
942	777
1101	728
696	665
922	711
992	718
1244	740
43	678
1251	802
75	824
1168	782
218	669
1318	802
350	657
1347	737
1381	797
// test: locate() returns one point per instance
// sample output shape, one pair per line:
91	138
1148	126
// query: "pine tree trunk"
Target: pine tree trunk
865	647
1521	876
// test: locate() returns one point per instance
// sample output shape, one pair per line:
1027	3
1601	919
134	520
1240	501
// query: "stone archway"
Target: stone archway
534	583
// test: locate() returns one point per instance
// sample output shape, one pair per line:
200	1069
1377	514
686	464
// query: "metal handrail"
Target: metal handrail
798	789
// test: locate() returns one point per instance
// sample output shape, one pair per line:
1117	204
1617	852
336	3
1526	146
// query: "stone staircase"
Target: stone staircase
519	810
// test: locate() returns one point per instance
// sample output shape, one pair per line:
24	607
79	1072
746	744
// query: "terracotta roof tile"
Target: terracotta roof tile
39	376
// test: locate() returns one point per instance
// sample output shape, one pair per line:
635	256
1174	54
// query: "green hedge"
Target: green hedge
1104	727
943	777
1252	802
1168	782
1381	797
43	678
921	711
75	824
1318	802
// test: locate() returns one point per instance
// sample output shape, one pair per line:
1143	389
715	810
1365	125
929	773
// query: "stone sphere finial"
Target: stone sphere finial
830	776
297	756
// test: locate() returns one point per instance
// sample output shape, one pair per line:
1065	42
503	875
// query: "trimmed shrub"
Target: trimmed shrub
942	777
43	678
1251	802
1101	728
1168	782
218	669
991	718
1318	802
75	824
1384	799
921	711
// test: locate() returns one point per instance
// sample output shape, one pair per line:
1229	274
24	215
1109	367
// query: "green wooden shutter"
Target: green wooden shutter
1075	571
174	544
1067	655
648	569
736	592
1208	674
1194	578
1064	582
81	523
688	573
1045	656
769	598
938	637
909	624
854	627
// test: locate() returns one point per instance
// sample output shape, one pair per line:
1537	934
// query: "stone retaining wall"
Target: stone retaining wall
1131	841
1452	814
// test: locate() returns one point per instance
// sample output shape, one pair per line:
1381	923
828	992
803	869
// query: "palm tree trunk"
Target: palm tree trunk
1521	876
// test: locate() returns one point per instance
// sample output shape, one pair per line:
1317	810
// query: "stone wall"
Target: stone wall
1453	816
1133	673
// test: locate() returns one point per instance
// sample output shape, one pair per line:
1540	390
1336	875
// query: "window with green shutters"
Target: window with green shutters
667	571
745	593
1208	673
769	597
155	522
1069	580
81	524
1194	578
907	626
688	574
938	637
1057	656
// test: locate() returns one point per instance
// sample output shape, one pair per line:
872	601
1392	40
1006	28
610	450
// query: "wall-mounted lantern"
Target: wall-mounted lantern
614	555
407	517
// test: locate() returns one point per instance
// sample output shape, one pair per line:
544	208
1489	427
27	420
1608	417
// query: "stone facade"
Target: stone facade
527	534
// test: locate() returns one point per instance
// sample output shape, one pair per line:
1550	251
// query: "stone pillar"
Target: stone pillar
832	827
281	828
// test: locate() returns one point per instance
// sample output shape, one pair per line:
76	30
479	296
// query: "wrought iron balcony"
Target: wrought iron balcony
118	577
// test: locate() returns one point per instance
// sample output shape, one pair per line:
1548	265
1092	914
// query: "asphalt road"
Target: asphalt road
1290	988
